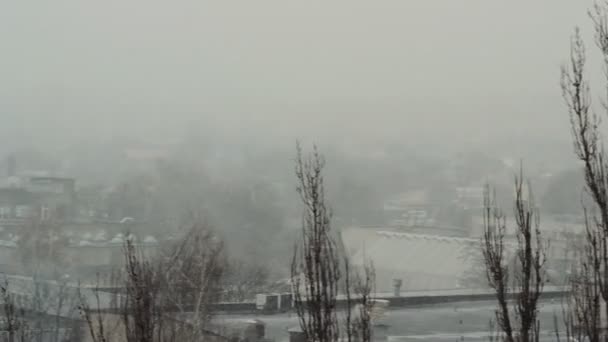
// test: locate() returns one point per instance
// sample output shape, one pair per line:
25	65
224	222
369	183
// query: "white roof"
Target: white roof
423	262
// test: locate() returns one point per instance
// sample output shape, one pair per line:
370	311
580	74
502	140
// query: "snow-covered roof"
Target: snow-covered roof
422	261
9	243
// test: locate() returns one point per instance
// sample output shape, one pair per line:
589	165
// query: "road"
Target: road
467	321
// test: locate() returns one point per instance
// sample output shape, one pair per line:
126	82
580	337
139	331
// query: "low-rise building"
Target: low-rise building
37	197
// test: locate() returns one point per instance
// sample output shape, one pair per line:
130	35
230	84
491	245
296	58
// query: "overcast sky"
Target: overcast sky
451	70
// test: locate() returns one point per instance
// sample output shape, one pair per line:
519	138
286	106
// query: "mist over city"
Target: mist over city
256	171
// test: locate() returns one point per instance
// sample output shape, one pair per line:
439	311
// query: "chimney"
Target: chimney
11	166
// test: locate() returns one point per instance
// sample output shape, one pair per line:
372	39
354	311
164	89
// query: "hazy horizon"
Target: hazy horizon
385	71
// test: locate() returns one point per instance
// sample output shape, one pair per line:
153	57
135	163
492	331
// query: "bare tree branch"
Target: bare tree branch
528	271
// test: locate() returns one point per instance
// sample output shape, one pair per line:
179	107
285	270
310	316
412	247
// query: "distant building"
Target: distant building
15	203
409	209
37	197
471	196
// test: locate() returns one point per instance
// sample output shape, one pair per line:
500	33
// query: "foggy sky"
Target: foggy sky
409	70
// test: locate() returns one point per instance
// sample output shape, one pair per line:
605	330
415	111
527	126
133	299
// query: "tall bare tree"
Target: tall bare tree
493	249
525	279
588	312
141	309
320	267
315	267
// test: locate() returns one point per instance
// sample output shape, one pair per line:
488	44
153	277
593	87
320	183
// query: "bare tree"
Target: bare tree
93	314
165	299
245	279
135	313
320	268
588	311
528	274
582	315
38	310
141	308
192	271
359	290
15	324
57	300
364	289
315	267
493	249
